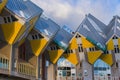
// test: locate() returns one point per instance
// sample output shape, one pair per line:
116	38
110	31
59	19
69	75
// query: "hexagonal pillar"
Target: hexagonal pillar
12	59
84	69
38	68
115	68
51	71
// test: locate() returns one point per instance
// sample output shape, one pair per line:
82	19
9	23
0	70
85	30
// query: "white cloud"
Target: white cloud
65	13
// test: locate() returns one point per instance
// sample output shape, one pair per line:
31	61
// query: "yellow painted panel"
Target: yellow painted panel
21	32
107	58
110	45
73	44
55	55
86	43
38	45
72	57
11	31
119	42
2	5
93	56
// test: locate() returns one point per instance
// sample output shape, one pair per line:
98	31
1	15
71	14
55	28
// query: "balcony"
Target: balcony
22	70
26	69
4	64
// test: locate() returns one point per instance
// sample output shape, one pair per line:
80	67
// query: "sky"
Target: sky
72	12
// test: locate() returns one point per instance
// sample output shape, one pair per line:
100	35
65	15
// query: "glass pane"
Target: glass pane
62	38
47	27
23	8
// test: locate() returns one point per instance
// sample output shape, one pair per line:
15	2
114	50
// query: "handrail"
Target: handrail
4	62
26	68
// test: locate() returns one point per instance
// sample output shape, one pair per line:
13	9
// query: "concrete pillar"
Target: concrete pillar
78	71
51	72
115	69
12	59
86	70
38	68
44	67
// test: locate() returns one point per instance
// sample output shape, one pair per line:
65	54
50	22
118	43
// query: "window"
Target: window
78	36
107	52
5	20
117	65
33	37
54	48
69	51
13	18
8	19
93	49
80	64
116	49
80	48
36	36
115	37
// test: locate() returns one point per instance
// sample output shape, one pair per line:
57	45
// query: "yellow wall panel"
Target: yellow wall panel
73	44
86	43
93	56
21	32
72	57
55	55
38	45
110	45
2	5
11	31
107	58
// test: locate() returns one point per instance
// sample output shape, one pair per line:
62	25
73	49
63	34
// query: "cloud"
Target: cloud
72	12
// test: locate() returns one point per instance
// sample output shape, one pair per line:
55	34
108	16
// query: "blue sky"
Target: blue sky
72	12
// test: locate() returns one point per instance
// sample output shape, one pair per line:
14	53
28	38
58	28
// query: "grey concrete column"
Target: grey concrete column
38	68
51	72
12	59
87	69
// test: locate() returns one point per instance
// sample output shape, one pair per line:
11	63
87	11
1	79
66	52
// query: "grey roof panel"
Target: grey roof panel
62	38
118	33
91	29
98	22
47	27
23	8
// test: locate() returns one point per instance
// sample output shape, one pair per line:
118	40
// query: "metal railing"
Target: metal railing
26	69
4	63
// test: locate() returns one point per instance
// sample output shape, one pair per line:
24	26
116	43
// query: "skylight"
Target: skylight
118	27
86	27
119	20
104	36
95	25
